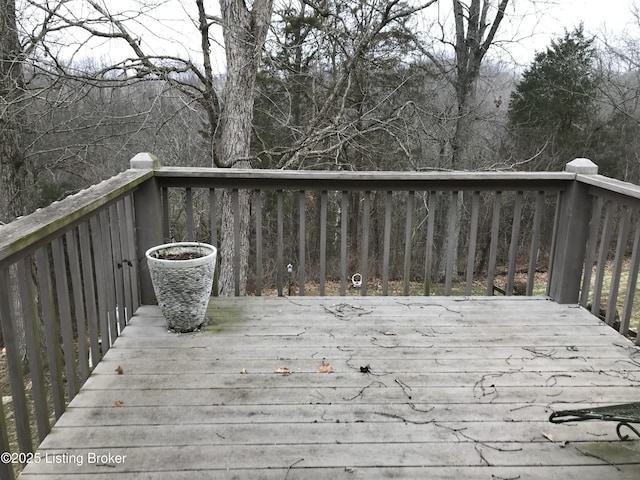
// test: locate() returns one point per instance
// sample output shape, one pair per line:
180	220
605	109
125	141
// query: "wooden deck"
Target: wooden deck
452	388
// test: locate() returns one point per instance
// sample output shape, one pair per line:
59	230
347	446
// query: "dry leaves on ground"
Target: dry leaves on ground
325	368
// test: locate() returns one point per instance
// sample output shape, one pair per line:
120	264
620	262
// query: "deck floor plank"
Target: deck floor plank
457	388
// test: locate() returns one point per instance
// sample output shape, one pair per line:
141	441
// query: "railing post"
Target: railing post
147	208
572	235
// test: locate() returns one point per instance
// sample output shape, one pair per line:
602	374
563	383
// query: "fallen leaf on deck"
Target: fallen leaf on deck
282	370
118	403
119	370
325	368
550	437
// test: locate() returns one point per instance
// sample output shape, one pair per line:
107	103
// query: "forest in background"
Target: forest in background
333	85
397	110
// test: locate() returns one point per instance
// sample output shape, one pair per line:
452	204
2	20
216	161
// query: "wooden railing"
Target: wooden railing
612	259
73	273
68	285
437	230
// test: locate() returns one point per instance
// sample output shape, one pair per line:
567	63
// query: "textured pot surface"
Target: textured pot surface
182	287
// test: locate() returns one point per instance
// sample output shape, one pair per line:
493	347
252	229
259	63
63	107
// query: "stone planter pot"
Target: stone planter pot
182	277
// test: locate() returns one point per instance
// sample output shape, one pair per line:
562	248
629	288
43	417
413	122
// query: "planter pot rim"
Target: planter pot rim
177	246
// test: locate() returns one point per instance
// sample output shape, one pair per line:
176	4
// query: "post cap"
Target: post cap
145	161
583	166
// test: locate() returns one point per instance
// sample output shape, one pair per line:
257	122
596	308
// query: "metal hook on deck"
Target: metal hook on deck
626	424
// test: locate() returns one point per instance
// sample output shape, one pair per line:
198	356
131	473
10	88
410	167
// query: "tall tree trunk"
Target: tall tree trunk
14	175
13	171
473	40
245	32
471	45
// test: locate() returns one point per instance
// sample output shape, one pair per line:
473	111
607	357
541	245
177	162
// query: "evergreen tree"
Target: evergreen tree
552	106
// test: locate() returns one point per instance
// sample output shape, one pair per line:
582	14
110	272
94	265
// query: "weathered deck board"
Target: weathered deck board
458	388
582	472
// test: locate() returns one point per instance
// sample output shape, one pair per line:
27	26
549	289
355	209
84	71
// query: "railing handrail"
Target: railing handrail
361	180
32	230
611	186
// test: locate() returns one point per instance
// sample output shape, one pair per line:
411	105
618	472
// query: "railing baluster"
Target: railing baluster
364	246
590	256
452	244
213	217
301	242
136	262
213	227
535	243
33	346
344	214
51	331
493	249
109	276
64	315
280	243
388	206
78	304
124	261
117	269
14	362
632	279
166	225
189	214
99	256
621	246
88	261
428	259
473	238
408	230
323	242
554	235
513	247
605	240
131	253
235	202
257	204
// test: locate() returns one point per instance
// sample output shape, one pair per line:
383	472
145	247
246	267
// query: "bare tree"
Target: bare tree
16	179
476	25
474	36
459	60
344	53
245	30
13	168
228	110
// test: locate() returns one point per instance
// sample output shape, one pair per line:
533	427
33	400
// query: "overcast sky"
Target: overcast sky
601	17
531	24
